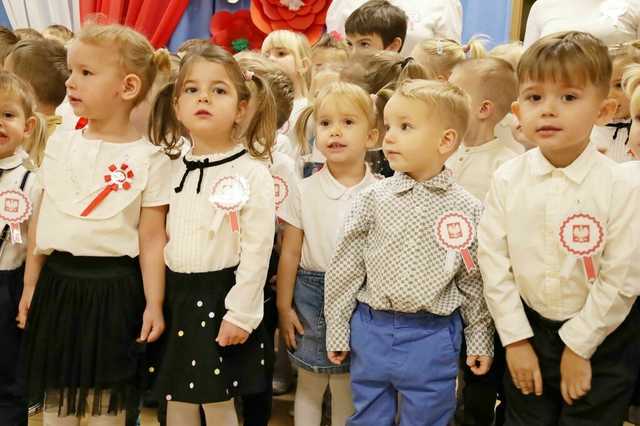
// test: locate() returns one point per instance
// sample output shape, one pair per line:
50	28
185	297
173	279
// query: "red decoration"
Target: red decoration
235	31
117	179
307	17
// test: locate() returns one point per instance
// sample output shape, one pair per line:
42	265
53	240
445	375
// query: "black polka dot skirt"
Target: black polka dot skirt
191	367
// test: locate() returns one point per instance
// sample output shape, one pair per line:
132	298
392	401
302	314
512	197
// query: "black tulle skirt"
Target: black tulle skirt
82	327
192	368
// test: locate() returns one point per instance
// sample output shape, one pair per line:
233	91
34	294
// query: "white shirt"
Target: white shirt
318	209
427	19
196	244
504	133
521	256
12	255
473	167
617	149
73	175
285	178
612	21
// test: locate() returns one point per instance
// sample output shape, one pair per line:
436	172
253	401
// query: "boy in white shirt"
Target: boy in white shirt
556	247
491	84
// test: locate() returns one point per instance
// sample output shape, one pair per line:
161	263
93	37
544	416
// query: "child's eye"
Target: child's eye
569	98
220	91
348	122
190	90
364	44
534	98
8	115
405	126
386	127
324	123
86	72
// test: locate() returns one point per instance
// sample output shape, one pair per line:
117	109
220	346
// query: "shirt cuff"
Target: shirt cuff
513	328
337	339
577	337
480	343
233	319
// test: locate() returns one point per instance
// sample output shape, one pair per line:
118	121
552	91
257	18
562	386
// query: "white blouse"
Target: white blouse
200	242
12	255
612	21
73	175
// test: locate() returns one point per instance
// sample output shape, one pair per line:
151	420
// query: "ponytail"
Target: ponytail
35	144
301	130
162	61
476	49
164	129
411	70
261	132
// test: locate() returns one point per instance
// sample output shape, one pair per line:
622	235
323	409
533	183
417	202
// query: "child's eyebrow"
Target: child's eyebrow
210	82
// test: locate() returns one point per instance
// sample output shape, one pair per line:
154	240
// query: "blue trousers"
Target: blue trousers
413	355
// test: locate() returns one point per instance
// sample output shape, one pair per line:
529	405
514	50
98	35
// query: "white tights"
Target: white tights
185	414
310	393
50	415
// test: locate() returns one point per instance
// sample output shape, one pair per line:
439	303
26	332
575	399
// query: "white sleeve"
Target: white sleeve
533	30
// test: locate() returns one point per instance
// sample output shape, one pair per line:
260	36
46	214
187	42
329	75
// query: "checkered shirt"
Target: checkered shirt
388	258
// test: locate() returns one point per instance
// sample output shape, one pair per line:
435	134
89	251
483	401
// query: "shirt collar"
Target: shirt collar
487	146
10	163
334	189
213	157
576	171
403	182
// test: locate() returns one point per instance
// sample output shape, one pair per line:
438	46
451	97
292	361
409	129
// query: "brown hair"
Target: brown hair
12	86
494	79
567	56
280	83
43	64
58	32
439	55
378	17
7	40
166	130
137	56
191	44
329	42
28	34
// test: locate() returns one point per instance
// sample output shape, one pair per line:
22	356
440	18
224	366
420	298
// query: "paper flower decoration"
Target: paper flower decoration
303	16
235	31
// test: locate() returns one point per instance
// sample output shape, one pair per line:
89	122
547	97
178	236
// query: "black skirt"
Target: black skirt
192	367
82	327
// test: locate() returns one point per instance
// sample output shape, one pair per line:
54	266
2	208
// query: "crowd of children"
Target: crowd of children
441	238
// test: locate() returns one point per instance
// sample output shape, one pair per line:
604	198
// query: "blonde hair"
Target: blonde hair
137	55
58	32
630	84
567	56
329	42
450	104
280	83
494	79
14	87
299	47
440	55
510	52
167	131
346	92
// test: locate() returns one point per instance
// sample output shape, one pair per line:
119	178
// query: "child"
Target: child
392	266
17	125
292	52
329	51
59	33
43	64
613	138
220	227
440	56
7	40
99	239
345	127
491	83
510	52
377	25
557	245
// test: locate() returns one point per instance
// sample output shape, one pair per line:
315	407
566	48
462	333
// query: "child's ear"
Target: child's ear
607	111
242	110
487	109
30	126
372	138
395	45
131	86
448	142
515	109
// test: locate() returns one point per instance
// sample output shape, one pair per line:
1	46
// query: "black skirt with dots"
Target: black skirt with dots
192	368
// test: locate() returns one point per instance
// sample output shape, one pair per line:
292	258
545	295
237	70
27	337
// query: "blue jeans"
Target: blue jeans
414	355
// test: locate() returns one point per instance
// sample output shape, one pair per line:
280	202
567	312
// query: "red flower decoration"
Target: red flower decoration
302	16
235	31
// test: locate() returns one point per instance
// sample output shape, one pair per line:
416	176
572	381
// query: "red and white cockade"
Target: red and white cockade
455	233
582	236
15	208
229	196
117	179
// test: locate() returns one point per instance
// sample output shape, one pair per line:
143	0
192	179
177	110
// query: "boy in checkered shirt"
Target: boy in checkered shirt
404	272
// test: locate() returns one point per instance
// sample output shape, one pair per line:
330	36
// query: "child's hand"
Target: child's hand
230	334
524	367
289	326
24	305
479	364
337	357
152	323
575	376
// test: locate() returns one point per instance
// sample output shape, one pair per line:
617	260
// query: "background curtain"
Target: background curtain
194	23
492	18
4	19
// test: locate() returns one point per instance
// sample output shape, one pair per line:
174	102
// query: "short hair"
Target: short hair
43	64
378	17
329	42
510	52
28	34
191	44
58	32
450	104
494	80
567	56
281	84
7	40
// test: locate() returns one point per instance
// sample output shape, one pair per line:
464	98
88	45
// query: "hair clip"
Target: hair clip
439	48
406	61
374	97
248	75
336	36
